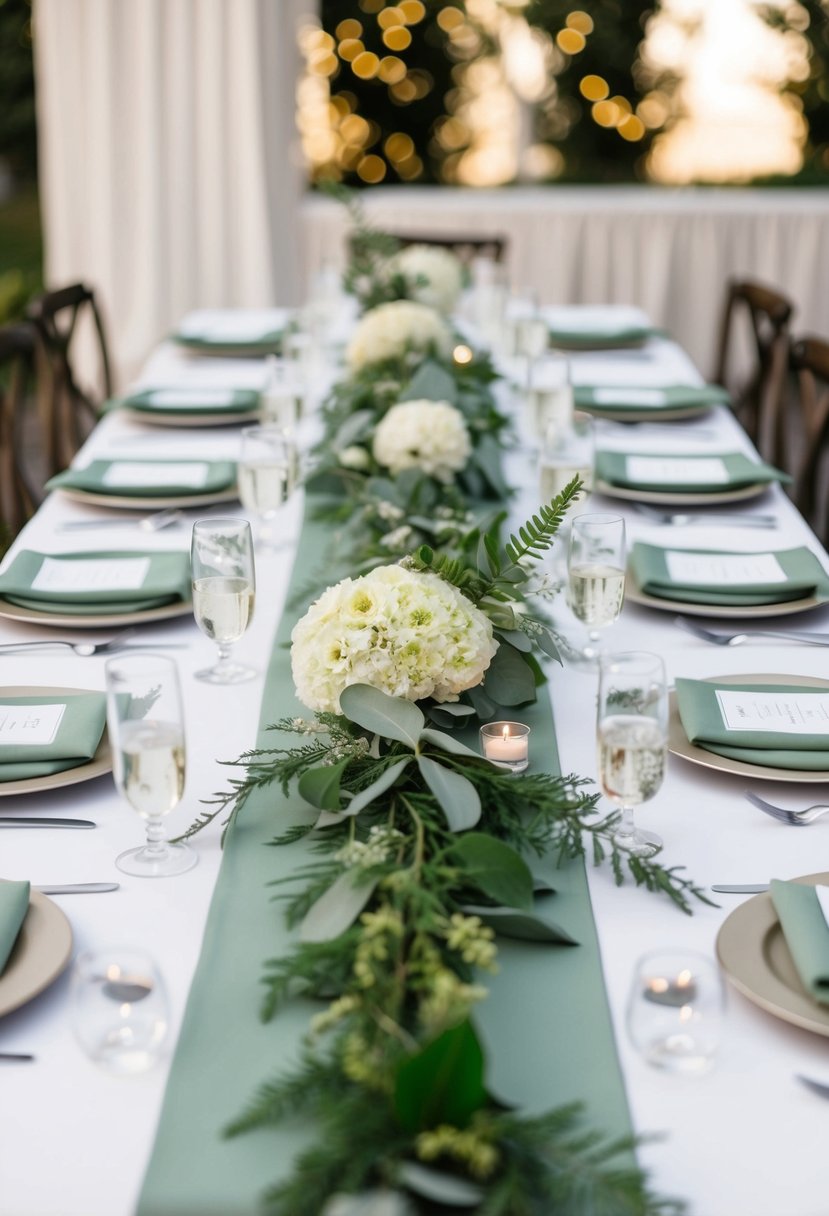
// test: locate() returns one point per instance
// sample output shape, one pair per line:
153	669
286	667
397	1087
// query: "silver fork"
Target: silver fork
734	521
798	819
737	639
149	523
86	649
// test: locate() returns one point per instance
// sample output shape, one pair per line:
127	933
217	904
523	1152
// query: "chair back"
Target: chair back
20	482
810	365
70	410
757	394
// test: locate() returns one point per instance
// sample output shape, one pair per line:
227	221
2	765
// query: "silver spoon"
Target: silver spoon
702	517
737	639
149	523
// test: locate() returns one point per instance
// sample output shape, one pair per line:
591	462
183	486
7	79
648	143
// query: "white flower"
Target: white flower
389	331
354	457
406	632
434	276
427	435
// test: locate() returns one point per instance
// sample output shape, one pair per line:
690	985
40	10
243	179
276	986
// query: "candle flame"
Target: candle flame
683	979
505	733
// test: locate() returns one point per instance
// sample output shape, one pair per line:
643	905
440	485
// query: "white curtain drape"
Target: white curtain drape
169	172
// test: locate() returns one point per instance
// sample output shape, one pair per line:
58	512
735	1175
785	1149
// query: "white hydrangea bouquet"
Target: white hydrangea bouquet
432	275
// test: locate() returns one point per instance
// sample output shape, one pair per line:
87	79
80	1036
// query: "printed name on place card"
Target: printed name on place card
788	713
191	398
629	396
723	569
29	725
106	574
709	470
124	473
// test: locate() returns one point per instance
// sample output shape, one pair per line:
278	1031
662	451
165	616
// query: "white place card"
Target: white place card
103	574
191	398
723	569
30	725
630	396
127	474
788	713
708	470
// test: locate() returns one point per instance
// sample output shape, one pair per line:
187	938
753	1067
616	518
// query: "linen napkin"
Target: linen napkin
14	904
178	401
595	328
244	328
780	725
48	734
722	577
673	472
148	478
91	583
619	399
806	932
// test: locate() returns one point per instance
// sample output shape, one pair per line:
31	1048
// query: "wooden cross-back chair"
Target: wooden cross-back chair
757	395
20	487
69	409
810	365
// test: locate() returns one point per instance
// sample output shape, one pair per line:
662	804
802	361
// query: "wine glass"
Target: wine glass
146	734
267	474
596	575
224	585
632	733
567	451
282	397
549	393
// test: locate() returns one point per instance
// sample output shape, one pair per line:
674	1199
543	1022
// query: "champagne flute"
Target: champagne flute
224	585
549	393
596	575
567	451
267	474
146	732
632	733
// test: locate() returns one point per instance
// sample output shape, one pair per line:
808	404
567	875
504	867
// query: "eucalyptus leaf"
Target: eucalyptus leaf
443	1082
449	744
336	909
455	709
484	706
431	1184
378	787
488	458
321	786
517	639
528	926
354	428
458	797
547	643
391	717
509	679
431	383
496	869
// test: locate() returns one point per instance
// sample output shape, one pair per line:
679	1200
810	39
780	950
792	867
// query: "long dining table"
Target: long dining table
744	1137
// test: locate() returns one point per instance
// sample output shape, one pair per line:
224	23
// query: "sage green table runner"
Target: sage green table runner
14	904
48	734
91	583
121	478
724	577
678	473
806	932
546	1023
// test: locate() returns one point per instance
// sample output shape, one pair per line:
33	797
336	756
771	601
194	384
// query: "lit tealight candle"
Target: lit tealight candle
678	992
507	743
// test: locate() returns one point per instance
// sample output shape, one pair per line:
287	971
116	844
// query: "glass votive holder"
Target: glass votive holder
675	1010
120	1013
508	743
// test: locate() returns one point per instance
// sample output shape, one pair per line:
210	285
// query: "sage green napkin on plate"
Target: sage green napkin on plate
180	402
101	477
628	397
702	720
601	338
165	578
14	904
804	576
62	739
732	471
806	932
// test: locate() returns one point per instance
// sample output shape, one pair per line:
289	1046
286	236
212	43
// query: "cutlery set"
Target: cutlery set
680	519
737	639
148	523
87	649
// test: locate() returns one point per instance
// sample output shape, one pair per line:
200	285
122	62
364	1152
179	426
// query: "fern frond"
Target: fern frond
536	535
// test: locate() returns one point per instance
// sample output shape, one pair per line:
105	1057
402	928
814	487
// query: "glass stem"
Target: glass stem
224	655
626	829
156	840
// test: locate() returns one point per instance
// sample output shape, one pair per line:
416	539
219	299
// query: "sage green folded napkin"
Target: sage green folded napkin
165	579
806	932
702	720
14	904
737	469
628	397
601	338
70	742
97	478
804	577
181	401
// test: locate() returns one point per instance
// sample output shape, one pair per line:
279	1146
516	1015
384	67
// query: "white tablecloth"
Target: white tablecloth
745	1138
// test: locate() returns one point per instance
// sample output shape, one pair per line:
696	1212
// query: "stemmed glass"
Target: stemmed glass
632	734
549	393
224	585
567	451
267	473
596	575
146	732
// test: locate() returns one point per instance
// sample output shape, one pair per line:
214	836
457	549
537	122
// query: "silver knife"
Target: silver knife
747	888
10	821
78	888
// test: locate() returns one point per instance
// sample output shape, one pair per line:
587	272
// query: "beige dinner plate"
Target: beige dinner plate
135	503
40	954
100	763
648	415
207	418
680	745
16	612
753	954
671	498
635	594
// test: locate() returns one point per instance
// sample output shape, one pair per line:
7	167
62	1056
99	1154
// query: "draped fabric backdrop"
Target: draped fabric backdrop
169	173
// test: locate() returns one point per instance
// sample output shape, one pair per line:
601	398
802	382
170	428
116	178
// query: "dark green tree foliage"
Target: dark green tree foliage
593	152
18	136
809	18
